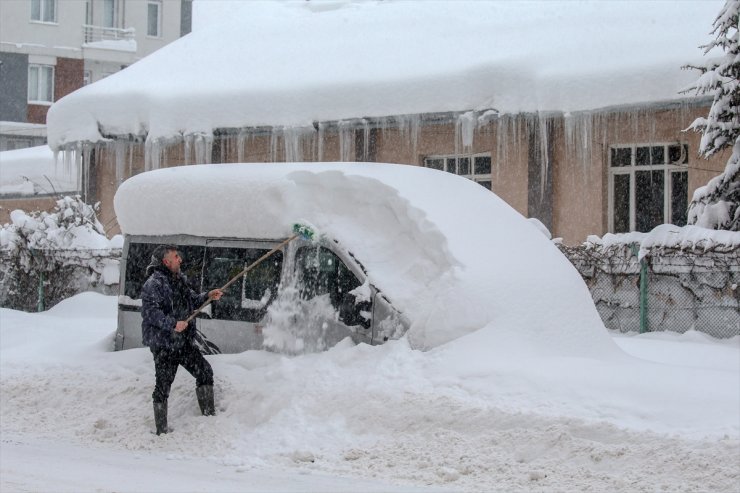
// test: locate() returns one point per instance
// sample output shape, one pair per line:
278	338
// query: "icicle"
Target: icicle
85	151
544	155
241	144
120	151
293	141
320	138
365	139
415	129
152	154
274	137
465	126
131	146
346	140
203	148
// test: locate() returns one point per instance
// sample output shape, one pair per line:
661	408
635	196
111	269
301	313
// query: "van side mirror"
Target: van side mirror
350	311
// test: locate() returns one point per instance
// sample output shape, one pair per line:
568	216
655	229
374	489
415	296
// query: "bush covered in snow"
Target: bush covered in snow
715	205
72	225
53	255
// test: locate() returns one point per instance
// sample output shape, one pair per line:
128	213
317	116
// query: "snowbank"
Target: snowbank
34	171
326	61
418	232
467	416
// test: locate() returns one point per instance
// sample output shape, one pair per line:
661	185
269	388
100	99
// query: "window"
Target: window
44	10
476	167
109	13
153	19
40	83
258	287
86	77
321	272
139	256
648	186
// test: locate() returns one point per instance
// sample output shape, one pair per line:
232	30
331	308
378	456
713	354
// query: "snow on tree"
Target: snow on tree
715	205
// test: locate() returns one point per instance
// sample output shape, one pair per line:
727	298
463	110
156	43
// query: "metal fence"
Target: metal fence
668	289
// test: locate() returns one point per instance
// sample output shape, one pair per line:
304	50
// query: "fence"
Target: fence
668	289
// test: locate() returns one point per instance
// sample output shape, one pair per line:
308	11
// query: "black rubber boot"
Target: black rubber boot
160	417
205	400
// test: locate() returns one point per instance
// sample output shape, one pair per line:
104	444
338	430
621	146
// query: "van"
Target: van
316	292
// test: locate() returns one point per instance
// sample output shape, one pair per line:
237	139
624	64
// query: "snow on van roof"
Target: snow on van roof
451	255
295	63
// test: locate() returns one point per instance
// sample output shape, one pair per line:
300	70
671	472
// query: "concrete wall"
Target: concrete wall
14	84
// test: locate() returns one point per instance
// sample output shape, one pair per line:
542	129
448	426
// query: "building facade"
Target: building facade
609	170
49	48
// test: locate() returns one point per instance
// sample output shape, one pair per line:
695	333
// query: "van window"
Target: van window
321	272
248	298
139	255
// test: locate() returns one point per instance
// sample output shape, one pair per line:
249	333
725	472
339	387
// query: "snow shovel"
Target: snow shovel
299	231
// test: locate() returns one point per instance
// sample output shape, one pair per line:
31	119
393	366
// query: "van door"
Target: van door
235	320
137	253
339	300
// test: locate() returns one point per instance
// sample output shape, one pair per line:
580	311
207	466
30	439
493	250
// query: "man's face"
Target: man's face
172	261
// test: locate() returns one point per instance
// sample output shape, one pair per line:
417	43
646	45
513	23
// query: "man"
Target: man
167	301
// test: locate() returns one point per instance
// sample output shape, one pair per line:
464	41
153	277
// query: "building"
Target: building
571	112
50	48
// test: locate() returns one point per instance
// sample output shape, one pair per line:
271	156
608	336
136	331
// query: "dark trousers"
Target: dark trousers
166	362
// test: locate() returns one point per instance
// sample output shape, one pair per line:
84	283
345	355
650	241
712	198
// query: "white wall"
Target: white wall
18	34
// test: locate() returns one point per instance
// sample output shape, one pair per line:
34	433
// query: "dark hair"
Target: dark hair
159	253
157	257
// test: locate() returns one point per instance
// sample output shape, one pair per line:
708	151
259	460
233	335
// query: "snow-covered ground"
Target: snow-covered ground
467	415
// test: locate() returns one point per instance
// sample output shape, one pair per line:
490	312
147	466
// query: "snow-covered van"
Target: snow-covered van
311	294
401	251
307	296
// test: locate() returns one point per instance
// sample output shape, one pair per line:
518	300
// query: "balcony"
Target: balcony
94	34
99	40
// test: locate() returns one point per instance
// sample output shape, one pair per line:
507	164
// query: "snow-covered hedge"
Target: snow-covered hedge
692	278
50	256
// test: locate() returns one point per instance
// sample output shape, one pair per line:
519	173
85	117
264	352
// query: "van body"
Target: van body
317	288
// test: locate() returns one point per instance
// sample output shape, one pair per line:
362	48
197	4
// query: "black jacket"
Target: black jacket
167	298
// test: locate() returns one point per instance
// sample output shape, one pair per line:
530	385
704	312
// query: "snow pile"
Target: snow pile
411	228
73	225
35	171
470	415
670	236
326	61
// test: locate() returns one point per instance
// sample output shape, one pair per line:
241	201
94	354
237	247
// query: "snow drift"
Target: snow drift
448	253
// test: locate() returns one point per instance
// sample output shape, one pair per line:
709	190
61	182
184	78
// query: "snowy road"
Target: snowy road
76	417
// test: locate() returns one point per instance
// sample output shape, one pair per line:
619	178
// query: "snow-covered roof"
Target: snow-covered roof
418	232
295	63
34	171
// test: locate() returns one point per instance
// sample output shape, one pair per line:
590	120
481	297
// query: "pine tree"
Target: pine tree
715	205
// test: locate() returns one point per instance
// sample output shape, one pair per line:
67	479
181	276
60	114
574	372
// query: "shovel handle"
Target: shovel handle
242	273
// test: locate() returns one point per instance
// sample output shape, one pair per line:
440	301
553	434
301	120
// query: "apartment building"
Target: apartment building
49	48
